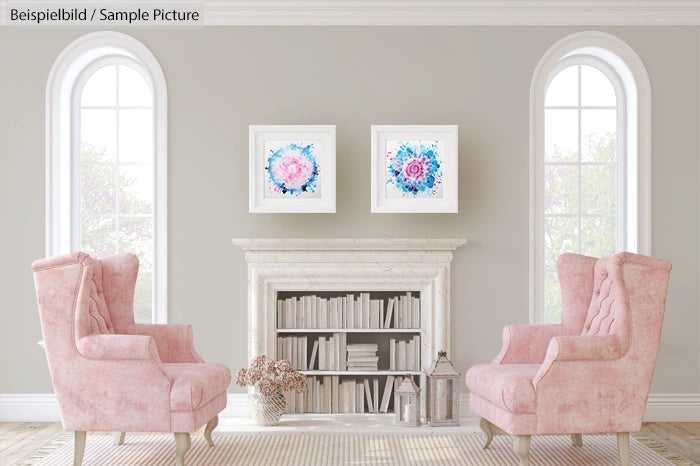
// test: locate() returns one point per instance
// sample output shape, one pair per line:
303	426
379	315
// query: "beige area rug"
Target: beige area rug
306	449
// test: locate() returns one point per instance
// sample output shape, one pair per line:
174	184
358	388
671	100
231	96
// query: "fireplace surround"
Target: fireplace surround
304	265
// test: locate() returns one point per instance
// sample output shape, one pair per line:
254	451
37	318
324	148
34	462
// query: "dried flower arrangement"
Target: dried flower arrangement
270	376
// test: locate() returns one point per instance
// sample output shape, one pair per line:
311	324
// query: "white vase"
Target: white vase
267	410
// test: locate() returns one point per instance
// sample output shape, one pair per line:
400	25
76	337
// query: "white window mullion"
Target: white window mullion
580	152
117	226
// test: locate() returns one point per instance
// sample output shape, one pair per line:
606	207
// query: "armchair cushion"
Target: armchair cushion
195	384
508	386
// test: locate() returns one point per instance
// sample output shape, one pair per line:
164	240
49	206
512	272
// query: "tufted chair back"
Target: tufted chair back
91	312
608	312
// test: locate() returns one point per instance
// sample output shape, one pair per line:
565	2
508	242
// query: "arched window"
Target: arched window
590	103
106	159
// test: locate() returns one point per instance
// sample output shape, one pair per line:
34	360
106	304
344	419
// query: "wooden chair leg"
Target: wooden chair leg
577	440
79	448
521	445
211	425
182	444
623	446
119	438
486	428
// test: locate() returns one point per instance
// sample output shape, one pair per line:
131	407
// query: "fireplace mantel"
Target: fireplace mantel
349	265
359	244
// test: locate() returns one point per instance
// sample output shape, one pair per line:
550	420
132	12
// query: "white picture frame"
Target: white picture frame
414	168
291	168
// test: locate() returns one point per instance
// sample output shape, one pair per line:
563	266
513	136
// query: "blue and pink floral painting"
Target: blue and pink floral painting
292	169
414	169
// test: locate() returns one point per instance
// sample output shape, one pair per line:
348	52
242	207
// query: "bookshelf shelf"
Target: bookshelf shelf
361	373
348	330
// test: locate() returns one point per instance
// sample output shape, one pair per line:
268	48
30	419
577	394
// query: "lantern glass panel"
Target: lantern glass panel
444	390
445	398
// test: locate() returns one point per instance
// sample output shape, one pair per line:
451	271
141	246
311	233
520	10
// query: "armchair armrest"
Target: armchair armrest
526	344
570	353
117	347
585	347
175	342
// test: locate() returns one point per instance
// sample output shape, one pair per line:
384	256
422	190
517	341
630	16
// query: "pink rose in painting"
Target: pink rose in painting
293	169
413	169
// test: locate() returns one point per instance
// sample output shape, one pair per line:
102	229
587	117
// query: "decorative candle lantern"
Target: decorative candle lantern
407	403
443	392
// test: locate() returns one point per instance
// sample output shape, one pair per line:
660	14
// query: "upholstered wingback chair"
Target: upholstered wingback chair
592	372
111	374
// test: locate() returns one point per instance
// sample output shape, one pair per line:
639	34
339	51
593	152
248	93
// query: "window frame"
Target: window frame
633	139
64	86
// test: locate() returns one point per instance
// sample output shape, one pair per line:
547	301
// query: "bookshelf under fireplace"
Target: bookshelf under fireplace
353	347
323	274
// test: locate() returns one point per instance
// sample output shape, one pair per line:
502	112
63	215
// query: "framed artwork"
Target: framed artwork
414	168
292	168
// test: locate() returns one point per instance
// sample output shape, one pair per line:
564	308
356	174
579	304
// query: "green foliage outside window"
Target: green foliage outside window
114	221
580	209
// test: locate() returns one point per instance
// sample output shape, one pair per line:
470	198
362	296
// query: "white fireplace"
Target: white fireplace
316	265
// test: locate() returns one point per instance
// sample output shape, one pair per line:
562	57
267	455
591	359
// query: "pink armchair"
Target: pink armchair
592	372
110	374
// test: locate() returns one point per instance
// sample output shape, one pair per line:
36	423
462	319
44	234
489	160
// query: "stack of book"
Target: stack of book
362	357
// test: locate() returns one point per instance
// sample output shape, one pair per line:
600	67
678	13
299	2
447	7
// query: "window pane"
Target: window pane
98	128
598	191
596	88
560	135
136	136
552	298
598	236
598	131
136	237
561	189
100	88
133	89
135	189
563	89
98	236
143	297
560	236
97	181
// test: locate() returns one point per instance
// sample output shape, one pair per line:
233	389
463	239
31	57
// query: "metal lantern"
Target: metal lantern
407	403
443	392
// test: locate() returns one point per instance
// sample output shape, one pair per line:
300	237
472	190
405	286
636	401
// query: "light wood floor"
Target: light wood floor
19	440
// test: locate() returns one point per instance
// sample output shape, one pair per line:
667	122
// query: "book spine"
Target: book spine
351	311
375	385
334	394
322	354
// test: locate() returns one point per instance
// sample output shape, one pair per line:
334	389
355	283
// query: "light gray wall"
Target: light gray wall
220	80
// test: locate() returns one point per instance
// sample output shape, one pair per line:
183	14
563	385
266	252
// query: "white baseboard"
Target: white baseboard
39	407
673	408
43	407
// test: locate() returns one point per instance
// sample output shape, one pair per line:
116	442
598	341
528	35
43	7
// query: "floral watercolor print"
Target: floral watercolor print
414	169
292	169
